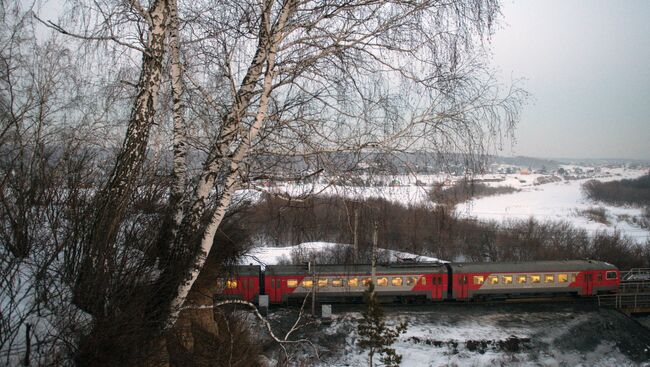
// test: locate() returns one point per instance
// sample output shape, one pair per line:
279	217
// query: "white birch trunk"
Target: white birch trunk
230	186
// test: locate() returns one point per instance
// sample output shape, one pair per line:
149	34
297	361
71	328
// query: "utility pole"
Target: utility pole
356	235
375	238
313	286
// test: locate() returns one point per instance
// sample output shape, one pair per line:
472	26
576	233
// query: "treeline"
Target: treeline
435	232
465	190
623	192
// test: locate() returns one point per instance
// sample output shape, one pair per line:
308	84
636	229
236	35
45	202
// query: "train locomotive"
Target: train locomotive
416	282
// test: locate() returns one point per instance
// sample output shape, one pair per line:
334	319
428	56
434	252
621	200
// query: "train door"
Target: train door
462	285
276	289
588	284
251	289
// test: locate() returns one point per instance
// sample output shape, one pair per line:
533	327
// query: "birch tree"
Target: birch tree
257	86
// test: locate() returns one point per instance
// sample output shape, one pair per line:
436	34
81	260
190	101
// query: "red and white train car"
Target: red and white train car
533	278
342	283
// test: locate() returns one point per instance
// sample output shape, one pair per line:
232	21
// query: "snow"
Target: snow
438	338
268	255
558	201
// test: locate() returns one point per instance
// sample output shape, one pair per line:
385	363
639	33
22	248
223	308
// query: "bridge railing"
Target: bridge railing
633	301
635	275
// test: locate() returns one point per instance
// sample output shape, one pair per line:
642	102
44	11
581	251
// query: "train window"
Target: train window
337	282
562	278
423	281
396	282
307	283
506	279
231	284
410	281
382	281
493	279
292	283
353	282
535	278
479	279
573	277
599	277
322	282
521	279
611	275
549	278
366	281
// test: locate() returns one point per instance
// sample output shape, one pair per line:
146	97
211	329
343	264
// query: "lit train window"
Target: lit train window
337	283
521	279
549	278
611	275
366	281
573	277
411	281
479	279
292	283
506	279
562	278
493	279
535	278
322	282
231	284
307	283
423	281
382	282
353	282
396	282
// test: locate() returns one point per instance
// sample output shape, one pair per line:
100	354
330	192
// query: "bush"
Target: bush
465	190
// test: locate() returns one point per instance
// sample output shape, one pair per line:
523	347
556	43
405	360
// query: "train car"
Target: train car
346	283
533	278
242	282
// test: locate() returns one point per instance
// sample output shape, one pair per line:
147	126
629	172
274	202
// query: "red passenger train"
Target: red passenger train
423	281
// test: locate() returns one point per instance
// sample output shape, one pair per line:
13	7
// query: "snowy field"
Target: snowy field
557	201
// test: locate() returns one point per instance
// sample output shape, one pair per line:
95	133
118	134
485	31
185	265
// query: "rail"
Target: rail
635	275
631	303
634	287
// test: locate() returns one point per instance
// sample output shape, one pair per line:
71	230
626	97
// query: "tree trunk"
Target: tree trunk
99	256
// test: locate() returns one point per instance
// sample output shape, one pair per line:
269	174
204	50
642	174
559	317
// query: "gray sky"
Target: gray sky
587	65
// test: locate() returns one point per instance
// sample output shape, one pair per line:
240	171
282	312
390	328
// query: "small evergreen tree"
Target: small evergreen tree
374	335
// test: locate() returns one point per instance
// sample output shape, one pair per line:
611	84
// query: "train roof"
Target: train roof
357	269
530	266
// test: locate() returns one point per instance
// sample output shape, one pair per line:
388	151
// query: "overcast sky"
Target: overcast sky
587	65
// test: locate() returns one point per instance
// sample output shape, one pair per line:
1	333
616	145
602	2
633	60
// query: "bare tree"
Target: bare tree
266	89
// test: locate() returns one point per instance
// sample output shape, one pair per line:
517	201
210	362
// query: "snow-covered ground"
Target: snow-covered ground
493	335
557	201
266	255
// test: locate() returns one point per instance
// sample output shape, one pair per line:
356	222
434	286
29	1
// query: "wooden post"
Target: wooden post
356	235
374	253
313	287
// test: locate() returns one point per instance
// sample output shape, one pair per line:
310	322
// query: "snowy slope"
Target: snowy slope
559	201
266	255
